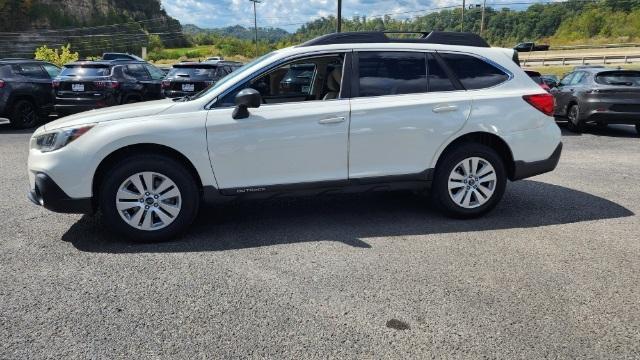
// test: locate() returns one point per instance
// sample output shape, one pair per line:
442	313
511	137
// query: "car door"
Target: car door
155	83
49	95
39	85
405	105
294	137
562	93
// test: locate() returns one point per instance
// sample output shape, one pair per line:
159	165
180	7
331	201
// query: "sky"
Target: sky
290	14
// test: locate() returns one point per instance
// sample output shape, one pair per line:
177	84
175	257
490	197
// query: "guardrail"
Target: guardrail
601	46
581	60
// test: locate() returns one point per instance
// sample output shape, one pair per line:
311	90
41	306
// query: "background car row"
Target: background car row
31	90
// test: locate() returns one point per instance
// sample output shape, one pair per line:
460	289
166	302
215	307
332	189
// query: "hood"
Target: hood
112	113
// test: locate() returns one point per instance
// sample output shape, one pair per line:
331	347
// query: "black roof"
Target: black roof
432	37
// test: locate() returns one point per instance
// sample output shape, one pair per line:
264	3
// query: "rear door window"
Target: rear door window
392	73
137	71
474	73
567	79
438	78
156	74
34	71
52	70
577	78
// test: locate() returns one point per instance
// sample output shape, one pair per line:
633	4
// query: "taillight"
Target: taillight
1	84
543	102
166	84
106	84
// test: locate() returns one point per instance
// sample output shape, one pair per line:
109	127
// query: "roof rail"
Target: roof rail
432	37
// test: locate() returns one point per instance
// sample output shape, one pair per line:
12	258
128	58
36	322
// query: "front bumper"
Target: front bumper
48	194
523	170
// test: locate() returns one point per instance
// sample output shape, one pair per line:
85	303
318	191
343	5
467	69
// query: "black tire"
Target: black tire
573	115
638	129
24	114
440	194
166	166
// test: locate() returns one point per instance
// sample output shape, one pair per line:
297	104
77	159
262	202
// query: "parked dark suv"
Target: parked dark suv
25	91
189	78
599	95
87	85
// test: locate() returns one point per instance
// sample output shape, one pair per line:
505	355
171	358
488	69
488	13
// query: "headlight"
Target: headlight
57	139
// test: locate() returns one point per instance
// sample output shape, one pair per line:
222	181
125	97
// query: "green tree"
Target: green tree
55	56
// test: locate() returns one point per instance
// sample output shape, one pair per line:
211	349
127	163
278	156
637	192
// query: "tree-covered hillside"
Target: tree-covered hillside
574	21
238	32
90	26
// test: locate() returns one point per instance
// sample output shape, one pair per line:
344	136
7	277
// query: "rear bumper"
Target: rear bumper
68	106
176	94
48	194
523	170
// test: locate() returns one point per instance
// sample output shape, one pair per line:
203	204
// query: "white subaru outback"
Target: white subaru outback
364	111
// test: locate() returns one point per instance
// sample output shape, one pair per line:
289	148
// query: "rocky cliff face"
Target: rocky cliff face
86	25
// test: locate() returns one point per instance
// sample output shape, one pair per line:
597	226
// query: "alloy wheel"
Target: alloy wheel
472	182
148	201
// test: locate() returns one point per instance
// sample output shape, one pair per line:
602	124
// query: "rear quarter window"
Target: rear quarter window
474	73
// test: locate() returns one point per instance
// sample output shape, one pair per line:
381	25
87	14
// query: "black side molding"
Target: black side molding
48	194
418	181
523	170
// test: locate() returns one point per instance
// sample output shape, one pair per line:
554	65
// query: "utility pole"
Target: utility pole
339	28
255	22
464	4
484	5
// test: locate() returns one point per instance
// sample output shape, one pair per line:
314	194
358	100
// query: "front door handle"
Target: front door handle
335	120
444	108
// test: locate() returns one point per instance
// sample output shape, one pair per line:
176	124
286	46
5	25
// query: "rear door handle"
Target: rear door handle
444	108
335	120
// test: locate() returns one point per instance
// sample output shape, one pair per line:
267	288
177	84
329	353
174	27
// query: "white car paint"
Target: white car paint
288	143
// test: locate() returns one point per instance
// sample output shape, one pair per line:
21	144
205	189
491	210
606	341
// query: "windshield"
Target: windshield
193	73
80	71
626	78
240	72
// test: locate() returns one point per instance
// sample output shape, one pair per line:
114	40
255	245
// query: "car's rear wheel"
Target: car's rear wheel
24	114
469	181
573	115
149	198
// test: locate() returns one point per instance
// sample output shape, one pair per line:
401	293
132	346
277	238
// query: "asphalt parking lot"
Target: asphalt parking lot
553	272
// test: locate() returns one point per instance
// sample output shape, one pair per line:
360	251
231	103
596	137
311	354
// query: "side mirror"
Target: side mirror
245	99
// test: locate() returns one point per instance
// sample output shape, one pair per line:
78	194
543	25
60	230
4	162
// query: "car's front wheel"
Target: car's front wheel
149	198
469	181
